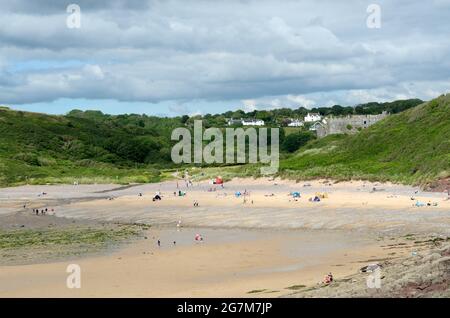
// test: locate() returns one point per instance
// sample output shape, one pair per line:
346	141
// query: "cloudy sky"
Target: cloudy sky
171	57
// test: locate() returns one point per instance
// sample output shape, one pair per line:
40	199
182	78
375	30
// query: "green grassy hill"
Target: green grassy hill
412	146
83	146
409	147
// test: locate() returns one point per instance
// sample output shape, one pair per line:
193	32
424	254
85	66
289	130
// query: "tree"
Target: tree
238	114
338	110
296	140
264	115
184	119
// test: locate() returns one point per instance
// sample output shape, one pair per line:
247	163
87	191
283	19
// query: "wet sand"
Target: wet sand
229	263
250	249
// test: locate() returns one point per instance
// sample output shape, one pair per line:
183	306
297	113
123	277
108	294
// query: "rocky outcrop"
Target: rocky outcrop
425	274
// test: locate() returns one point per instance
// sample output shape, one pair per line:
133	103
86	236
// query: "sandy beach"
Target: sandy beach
265	243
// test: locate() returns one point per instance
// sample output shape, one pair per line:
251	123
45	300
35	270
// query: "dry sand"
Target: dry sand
265	246
350	205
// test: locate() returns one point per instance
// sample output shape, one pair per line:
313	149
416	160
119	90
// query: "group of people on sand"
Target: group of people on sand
42	211
429	203
421	204
315	199
197	238
179	193
159	243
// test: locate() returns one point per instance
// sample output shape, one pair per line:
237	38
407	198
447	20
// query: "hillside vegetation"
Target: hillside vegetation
83	147
409	147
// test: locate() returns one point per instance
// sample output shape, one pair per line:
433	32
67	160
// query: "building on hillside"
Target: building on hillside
317	126
252	122
245	122
312	117
295	123
349	124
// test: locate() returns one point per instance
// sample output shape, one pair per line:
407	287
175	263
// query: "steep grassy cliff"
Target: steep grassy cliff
410	147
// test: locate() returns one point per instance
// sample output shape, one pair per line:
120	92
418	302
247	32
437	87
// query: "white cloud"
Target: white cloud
95	71
249	105
302	100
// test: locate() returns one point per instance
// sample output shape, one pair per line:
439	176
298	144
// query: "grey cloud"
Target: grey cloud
155	51
46	7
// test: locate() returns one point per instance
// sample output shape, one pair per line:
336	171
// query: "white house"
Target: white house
295	123
252	122
312	117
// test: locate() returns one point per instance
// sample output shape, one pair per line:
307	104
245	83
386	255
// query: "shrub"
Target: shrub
296	140
28	158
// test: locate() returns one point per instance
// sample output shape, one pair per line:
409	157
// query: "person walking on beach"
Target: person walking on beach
159	243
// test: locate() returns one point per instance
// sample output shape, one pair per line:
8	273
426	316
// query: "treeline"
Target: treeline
131	139
143	139
125	148
279	116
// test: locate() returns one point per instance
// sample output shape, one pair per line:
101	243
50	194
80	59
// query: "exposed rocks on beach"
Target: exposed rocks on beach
423	274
